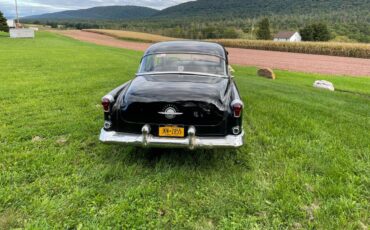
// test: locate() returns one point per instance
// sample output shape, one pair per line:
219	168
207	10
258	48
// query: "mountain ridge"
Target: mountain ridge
251	8
100	12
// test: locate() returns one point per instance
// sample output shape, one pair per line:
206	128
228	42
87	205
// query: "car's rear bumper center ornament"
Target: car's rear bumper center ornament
170	112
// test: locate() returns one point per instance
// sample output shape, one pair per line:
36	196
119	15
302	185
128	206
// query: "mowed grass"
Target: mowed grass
305	163
3	34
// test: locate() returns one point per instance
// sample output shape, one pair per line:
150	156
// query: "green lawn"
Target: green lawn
3	34
305	163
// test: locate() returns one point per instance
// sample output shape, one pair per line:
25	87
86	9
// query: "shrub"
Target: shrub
263	31
315	32
3	25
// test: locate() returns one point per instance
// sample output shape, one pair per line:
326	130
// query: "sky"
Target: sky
35	7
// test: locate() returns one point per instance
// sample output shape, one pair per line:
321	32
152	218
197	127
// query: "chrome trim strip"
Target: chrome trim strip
230	141
184	73
170	113
185	52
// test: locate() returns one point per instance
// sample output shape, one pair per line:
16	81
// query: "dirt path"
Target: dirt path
276	60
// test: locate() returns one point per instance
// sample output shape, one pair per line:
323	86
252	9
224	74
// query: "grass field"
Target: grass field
3	34
357	50
305	163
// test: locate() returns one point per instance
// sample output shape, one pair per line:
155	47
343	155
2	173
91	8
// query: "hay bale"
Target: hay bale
267	73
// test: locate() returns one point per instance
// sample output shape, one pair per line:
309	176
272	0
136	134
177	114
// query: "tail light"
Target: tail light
237	107
106	103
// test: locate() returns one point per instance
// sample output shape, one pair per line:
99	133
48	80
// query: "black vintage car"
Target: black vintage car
182	96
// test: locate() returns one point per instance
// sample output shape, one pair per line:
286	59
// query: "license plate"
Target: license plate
171	131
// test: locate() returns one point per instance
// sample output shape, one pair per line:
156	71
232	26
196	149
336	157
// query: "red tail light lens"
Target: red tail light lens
237	108
106	104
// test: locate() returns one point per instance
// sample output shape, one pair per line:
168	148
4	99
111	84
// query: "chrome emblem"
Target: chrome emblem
170	112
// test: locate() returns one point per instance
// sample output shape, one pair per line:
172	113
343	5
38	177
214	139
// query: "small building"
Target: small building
22	33
11	23
288	36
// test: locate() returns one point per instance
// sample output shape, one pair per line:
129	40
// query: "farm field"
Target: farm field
248	57
356	50
132	36
324	48
305	163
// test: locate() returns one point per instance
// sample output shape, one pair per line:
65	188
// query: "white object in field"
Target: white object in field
296	38
22	33
231	69
11	23
34	28
286	36
324	85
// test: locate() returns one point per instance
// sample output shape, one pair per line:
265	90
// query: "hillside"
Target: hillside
105	12
252	8
345	18
202	19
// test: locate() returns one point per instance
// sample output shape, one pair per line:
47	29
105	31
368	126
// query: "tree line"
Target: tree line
312	32
3	25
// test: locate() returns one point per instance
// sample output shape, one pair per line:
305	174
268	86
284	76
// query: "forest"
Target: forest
207	19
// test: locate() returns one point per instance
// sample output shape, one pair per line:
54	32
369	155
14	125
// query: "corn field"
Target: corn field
357	50
325	48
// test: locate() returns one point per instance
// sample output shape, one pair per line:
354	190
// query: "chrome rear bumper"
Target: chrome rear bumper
192	141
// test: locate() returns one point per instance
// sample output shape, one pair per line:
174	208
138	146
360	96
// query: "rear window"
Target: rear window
198	63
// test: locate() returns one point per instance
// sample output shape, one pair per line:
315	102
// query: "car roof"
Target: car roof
209	48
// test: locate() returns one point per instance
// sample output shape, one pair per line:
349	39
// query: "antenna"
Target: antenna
16	11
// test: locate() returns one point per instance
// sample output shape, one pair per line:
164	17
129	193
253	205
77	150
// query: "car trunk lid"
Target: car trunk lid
176	99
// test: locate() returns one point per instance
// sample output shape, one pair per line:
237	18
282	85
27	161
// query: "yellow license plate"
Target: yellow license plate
171	131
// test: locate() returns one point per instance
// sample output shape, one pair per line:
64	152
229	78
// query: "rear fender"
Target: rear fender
112	97
235	97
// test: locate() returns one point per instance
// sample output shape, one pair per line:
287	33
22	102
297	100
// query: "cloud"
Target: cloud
33	7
